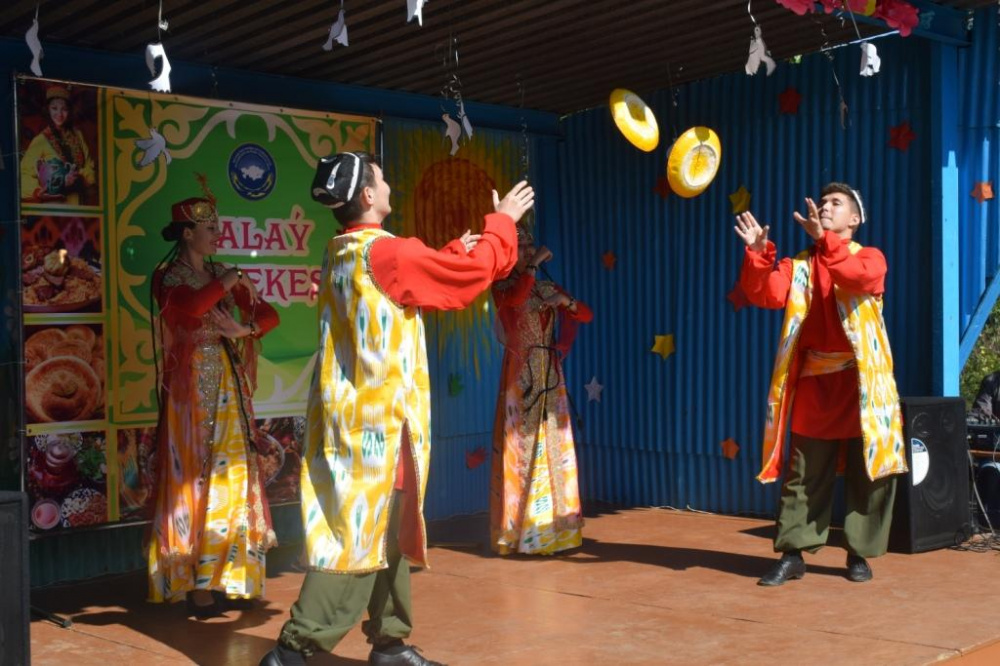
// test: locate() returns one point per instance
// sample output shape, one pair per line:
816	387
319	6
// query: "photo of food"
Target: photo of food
61	264
67	480
58	128
136	469
65	373
279	445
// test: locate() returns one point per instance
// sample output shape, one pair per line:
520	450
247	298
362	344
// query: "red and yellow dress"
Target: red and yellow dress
211	527
534	494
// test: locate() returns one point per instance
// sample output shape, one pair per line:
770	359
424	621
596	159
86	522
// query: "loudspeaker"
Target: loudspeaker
15	643
932	500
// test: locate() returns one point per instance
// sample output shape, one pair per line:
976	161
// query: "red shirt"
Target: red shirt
414	275
826	406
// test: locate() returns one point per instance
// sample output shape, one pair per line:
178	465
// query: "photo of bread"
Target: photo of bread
61	264
65	373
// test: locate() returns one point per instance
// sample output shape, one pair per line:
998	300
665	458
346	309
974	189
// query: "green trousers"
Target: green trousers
330	604
807	499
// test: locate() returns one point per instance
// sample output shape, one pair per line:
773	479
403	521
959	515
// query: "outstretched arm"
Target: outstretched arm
765	285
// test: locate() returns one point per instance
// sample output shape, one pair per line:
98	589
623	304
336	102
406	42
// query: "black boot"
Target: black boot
397	653
282	656
791	566
858	569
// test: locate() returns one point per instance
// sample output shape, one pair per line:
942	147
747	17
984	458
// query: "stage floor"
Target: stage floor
649	586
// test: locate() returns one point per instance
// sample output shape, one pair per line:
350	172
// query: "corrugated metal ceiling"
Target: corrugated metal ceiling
568	53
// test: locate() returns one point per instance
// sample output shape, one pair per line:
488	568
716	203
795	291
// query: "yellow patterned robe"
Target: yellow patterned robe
369	388
881	419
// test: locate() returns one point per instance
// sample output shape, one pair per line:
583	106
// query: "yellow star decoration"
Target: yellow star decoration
664	346
740	200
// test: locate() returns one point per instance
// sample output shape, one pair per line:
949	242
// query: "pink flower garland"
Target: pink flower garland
898	14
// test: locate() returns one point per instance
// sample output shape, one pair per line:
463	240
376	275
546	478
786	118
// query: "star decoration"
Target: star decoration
455	385
594	389
474	459
662	187
740	200
737	297
664	346
609	259
982	191
730	448
901	135
788	101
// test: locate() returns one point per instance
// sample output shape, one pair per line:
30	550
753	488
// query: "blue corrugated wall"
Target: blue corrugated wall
654	439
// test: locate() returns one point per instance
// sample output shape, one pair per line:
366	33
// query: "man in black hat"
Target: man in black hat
367	445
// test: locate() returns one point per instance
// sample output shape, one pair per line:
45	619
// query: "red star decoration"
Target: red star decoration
737	297
474	459
609	259
788	101
901	135
662	187
983	191
730	448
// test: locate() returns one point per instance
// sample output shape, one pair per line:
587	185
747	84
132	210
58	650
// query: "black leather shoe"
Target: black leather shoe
282	656
213	609
858	569
407	656
789	567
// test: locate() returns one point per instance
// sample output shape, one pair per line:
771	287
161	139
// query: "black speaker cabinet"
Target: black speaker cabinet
932	500
14	611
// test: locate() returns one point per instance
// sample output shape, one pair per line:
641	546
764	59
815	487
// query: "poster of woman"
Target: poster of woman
58	125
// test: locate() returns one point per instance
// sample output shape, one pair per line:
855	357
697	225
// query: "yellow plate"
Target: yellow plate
634	119
693	162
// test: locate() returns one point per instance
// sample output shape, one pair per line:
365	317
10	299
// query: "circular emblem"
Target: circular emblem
252	172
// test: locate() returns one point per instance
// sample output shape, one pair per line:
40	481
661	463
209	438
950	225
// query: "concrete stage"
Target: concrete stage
649	586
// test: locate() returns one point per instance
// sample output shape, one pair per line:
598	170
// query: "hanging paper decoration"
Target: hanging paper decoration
663	345
693	161
452	131
740	200
982	191
475	458
758	54
154	146
662	187
897	14
737	297
730	449
415	9
451	91
609	259
455	385
901	135
162	82
338	31
594	389
870	62
634	119
788	101
34	45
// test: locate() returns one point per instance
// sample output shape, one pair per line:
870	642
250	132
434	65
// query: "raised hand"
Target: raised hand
754	235
227	325
516	202
811	224
470	240
541	255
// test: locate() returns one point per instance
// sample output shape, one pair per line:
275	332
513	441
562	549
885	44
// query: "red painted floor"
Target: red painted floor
649	586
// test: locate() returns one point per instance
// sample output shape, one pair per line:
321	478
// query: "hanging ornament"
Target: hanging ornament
160	83
451	91
788	101
475	458
154	146
982	191
663	345
415	9
693	161
870	62
901	135
609	259
34	45
634	119
758	54
730	449
662	187
453	131
338	31
594	389
740	200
